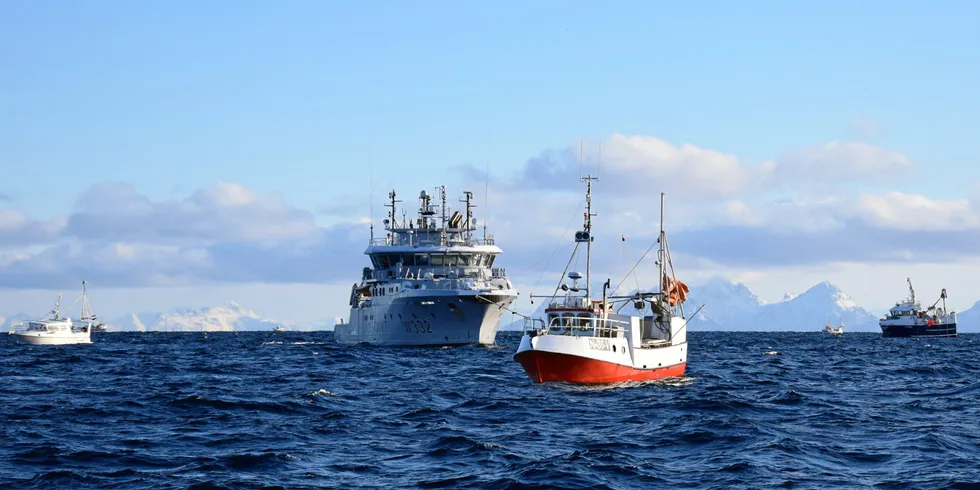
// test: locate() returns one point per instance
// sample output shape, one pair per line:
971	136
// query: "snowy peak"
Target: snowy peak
227	317
732	306
826	292
719	287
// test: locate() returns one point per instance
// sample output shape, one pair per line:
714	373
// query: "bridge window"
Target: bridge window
422	259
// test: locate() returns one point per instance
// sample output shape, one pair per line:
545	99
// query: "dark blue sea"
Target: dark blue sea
294	410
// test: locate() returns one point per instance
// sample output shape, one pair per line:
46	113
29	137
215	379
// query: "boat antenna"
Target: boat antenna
371	202
486	194
598	172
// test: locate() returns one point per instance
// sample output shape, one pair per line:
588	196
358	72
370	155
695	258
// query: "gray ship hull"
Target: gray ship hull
430	320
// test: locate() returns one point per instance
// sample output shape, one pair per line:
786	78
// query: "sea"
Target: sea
295	410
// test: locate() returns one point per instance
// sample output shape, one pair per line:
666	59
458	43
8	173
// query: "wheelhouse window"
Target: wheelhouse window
422	259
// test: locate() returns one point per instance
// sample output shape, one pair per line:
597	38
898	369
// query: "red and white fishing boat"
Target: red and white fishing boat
585	340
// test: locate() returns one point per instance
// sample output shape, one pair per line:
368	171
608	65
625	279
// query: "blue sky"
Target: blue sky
312	100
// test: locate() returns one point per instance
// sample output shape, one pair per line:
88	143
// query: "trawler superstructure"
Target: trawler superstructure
908	319
432	281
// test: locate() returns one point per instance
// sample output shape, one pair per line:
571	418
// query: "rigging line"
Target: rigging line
635	266
562	277
567	227
567	245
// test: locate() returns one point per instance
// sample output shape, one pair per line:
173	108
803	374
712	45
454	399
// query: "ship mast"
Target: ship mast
588	228
86	306
468	198
661	255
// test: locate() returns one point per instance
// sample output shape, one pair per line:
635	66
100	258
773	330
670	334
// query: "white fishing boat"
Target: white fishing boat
834	331
54	329
585	340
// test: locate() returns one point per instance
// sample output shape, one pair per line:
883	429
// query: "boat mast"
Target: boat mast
468	198
588	228
660	255
86	307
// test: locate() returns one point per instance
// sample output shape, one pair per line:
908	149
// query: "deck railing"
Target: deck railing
579	326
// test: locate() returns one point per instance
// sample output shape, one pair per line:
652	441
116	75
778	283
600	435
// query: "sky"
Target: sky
188	154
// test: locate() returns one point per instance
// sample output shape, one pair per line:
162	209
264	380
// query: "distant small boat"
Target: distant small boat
278	329
59	330
834	331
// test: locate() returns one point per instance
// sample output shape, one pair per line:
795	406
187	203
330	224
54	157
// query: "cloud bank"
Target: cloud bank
823	204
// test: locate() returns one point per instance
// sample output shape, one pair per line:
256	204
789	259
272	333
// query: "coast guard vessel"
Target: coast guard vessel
431	281
908	319
591	341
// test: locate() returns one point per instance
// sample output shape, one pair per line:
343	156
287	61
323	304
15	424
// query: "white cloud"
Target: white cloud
639	165
224	212
902	211
838	162
17	229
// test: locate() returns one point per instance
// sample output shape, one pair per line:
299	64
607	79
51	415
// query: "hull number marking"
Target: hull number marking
417	326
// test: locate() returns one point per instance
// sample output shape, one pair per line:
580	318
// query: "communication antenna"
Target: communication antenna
486	200
371	201
598	172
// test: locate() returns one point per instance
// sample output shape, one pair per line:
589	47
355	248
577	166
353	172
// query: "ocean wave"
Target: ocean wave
250	410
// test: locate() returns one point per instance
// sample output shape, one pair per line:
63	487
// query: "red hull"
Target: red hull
549	366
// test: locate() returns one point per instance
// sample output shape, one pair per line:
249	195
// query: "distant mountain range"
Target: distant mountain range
730	306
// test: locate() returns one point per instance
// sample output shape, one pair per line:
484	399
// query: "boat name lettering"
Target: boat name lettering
599	344
417	326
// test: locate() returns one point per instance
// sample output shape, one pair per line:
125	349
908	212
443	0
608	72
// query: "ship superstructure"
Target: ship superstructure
432	281
908	319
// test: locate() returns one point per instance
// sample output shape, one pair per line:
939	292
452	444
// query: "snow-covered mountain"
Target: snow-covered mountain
969	319
812	310
229	317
